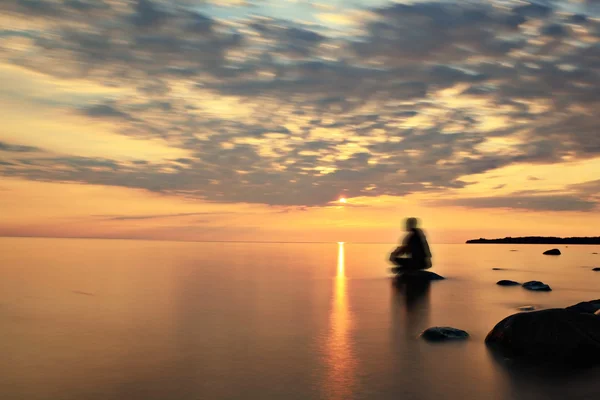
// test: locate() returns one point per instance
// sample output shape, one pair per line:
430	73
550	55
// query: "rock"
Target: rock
505	282
553	252
537	286
594	253
526	308
586	307
497	269
443	333
419	276
554	335
596	269
514	250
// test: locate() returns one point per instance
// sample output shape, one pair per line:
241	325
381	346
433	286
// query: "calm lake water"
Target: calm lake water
114	319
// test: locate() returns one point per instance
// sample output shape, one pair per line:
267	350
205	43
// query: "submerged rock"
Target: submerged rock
554	335
419	276
497	269
526	308
506	282
537	286
443	333
553	252
596	269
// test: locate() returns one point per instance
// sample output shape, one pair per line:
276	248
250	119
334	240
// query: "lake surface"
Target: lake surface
116	319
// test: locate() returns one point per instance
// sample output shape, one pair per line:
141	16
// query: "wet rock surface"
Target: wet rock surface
570	335
552	252
537	286
506	282
417	276
444	333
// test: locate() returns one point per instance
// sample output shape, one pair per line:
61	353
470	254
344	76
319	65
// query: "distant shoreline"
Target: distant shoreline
538	240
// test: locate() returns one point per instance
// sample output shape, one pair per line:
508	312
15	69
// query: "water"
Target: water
111	319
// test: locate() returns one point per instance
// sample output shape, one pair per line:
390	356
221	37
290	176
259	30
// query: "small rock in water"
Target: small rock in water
417	276
594	253
442	333
506	282
526	308
497	269
596	269
514	250
537	286
553	252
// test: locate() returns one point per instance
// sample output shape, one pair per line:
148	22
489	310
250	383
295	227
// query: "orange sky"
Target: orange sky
233	132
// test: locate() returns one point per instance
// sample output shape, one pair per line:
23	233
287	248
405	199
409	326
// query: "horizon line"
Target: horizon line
195	241
233	241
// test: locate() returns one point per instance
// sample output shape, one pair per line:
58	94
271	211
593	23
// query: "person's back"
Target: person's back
415	246
418	248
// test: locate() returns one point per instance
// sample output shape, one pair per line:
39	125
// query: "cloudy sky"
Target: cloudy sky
249	120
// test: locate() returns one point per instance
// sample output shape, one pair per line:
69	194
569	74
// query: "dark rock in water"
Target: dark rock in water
497	269
596	269
586	307
419	276
526	308
594	253
555	335
505	282
553	252
514	250
442	333
537	286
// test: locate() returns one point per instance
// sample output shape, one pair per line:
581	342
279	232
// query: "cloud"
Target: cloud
104	111
590	188
412	98
15	148
157	216
533	203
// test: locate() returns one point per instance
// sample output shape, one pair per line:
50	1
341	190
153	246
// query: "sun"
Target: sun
343	200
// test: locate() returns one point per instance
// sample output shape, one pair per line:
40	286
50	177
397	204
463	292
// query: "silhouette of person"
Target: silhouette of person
414	247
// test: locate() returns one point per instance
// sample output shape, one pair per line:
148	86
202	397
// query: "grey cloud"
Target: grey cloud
105	111
148	15
16	148
184	160
345	117
534	203
554	30
434	32
578	19
590	188
157	216
533	10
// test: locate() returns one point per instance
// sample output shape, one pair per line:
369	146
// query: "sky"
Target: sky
250	119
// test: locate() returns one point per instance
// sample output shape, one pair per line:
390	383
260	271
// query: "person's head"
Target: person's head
411	223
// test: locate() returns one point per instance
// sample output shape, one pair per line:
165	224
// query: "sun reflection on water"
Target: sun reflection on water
340	358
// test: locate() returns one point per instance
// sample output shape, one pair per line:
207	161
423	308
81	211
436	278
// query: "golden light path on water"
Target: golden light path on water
340	358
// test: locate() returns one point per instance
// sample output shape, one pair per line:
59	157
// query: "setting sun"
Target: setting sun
343	200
